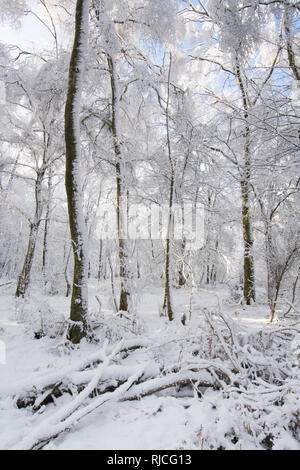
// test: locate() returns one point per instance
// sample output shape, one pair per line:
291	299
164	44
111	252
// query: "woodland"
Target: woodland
149	224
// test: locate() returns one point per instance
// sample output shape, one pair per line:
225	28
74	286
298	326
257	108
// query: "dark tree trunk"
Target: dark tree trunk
249	286
24	277
249	277
79	300
100	260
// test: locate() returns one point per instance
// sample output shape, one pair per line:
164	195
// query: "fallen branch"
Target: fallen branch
42	382
6	284
45	433
159	384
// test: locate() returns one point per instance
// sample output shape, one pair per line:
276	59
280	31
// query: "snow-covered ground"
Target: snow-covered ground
165	420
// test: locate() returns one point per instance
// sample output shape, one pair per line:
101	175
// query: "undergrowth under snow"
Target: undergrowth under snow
227	379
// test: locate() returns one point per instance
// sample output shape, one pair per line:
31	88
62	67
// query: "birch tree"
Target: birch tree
239	33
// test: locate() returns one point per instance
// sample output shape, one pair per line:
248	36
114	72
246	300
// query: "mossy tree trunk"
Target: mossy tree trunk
249	275
79	300
249	286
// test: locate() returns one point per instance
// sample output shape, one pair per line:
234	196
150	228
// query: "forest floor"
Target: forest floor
170	419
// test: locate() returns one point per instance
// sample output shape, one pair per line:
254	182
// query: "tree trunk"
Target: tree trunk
249	286
249	277
121	193
167	297
66	264
100	260
24	277
47	224
181	276
271	274
79	300
290	52
277	266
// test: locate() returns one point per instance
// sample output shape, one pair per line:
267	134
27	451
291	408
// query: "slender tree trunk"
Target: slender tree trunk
121	192
276	270
293	295
24	277
290	52
181	276
100	260
66	262
167	297
79	300
249	281
47	224
17	249
271	275
249	276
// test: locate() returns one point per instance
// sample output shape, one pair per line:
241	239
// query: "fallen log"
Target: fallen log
156	385
35	386
64	420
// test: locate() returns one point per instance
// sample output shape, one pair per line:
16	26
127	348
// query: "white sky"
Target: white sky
31	36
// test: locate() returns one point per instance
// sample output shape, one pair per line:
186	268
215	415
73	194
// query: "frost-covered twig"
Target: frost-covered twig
230	355
291	306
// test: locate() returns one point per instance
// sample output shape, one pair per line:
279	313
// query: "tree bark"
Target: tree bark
249	276
79	301
167	297
249	286
24	277
290	52
47	225
121	193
